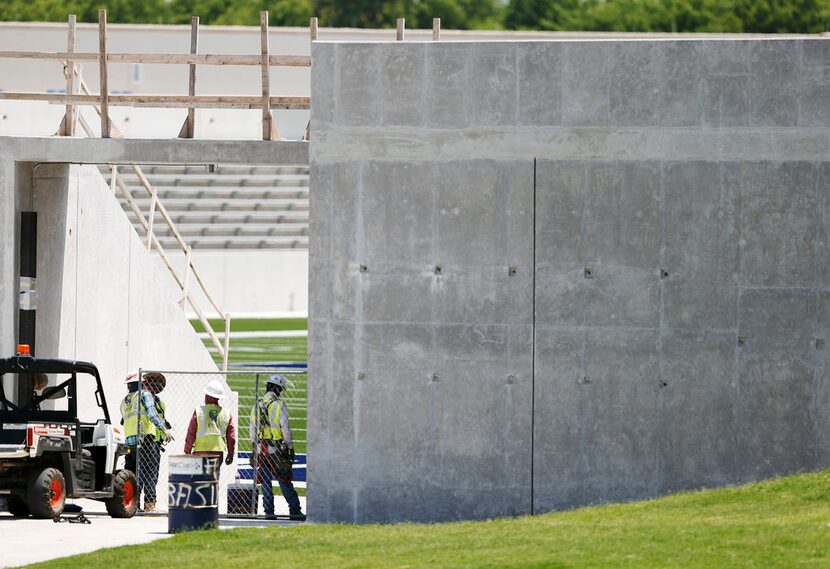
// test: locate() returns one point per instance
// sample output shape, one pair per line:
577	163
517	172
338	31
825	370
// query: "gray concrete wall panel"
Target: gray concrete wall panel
698	410
663	204
814	87
700	252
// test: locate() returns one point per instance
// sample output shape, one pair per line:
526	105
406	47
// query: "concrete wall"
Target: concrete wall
251	282
18	118
664	205
102	297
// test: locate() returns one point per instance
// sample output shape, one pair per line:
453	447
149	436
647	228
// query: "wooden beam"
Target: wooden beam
165	101
401	28
69	125
189	128
267	119
436	29
102	52
312	29
164	58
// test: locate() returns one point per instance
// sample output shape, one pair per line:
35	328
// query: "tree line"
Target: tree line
747	16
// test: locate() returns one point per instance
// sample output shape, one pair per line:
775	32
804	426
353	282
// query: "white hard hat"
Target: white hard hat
277	379
215	389
132	376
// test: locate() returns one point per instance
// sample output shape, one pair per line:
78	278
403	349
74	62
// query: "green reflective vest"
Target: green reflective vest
211	429
269	419
129	410
161	408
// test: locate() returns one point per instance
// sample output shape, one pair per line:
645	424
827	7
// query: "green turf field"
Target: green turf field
779	523
266	351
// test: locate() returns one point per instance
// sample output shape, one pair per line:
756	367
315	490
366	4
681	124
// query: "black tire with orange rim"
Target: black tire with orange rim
124	501
46	493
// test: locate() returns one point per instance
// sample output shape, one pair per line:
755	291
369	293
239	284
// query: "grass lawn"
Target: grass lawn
779	523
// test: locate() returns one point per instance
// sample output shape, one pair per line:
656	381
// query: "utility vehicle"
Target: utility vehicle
49	454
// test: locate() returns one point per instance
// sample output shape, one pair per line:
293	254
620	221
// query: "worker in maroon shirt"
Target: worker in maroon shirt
211	431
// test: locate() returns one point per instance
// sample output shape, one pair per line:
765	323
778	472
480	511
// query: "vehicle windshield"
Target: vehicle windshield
38	395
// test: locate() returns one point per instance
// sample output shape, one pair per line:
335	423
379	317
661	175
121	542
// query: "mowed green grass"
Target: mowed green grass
778	523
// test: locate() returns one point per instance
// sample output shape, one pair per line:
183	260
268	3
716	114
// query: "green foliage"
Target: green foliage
220	12
758	16
779	523
455	14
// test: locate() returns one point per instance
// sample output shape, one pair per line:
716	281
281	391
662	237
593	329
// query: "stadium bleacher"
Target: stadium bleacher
233	207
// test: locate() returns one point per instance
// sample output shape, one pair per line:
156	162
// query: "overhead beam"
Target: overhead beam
164	101
164	58
155	151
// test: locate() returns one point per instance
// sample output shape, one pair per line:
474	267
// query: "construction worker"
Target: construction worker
155	432
276	447
211	431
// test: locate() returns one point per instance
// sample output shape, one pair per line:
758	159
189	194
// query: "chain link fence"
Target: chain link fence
240	491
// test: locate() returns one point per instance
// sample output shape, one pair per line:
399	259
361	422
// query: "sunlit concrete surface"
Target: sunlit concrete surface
42	540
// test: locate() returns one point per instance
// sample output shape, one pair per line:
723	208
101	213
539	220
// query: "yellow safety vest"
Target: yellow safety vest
129	410
211	429
269	419
161	409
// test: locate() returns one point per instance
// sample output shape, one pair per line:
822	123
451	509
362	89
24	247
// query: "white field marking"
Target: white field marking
263	334
251	315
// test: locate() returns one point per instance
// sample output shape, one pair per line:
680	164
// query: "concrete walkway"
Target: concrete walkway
42	540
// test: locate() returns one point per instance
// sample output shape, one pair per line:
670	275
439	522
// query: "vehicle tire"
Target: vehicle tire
46	493
124	501
17	507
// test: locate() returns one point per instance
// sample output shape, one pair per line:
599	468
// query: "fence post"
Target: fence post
312	35
436	29
189	127
102	64
138	437
69	118
267	120
401	28
255	449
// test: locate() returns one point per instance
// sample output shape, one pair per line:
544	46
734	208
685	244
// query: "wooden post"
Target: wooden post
268	128
227	347
401	27
188	255
114	179
102	63
312	33
152	217
189	127
69	118
436	29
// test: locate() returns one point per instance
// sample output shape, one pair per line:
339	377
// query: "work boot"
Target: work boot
149	506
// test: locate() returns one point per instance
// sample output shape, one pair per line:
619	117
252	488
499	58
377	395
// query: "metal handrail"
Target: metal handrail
152	241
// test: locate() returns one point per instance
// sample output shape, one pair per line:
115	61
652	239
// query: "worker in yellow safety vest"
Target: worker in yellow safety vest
270	433
211	431
145	424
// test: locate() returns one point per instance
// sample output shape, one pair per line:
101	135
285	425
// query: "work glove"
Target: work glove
229	459
292	455
168	434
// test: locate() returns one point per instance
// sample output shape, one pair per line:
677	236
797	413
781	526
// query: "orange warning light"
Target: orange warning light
23	350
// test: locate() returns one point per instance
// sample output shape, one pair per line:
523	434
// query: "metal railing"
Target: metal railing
152	241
